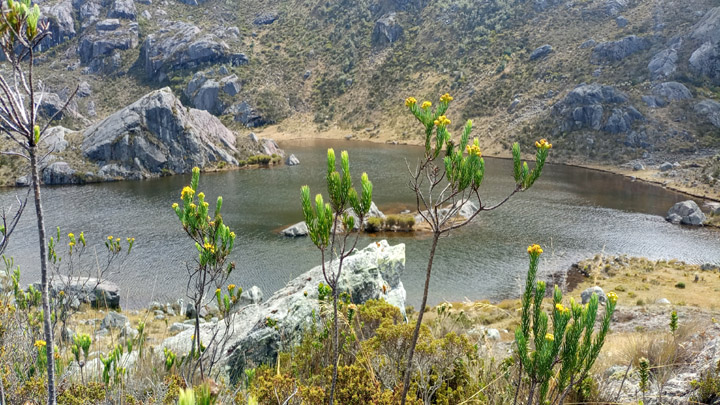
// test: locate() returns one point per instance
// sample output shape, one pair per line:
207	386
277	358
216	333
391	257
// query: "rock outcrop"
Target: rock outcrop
88	290
708	28
584	108
62	23
387	30
541	52
59	173
671	91
100	50
709	110
618	50
663	64
370	273
180	45
686	213
157	134
705	61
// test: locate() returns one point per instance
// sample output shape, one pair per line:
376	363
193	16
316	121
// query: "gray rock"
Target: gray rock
672	91
654	102
710	110
674	219
179	327
159	317
114	320
712	207
122	9
155	306
54	139
588	44
84	89
180	45
230	85
637	139
253	295
253	137
208	98
99	50
292	160
584	107
266	18
688	211
146	15
618	50
270	147
91	109
299	229
307	74
513	105
614	7
99	294
638	167
246	114
52	104
128	332
493	334
62	23
666	167
371	273
587	294
663	64
59	173
111	24
663	301
541	52
160	134
709	267
621	21
618	122
387	30
708	28
706	61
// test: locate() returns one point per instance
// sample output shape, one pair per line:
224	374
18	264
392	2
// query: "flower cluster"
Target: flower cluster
410	101
40	344
442	121
561	309
426	104
543	144
534	250
187	192
612	297
473	149
549	337
446	98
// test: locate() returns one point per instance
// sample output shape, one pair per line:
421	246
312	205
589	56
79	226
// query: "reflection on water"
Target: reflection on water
574	213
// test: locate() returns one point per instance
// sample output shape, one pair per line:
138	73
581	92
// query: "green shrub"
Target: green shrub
259	160
680	285
374	224
707	390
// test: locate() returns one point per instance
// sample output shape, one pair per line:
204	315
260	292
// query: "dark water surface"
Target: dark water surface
573	213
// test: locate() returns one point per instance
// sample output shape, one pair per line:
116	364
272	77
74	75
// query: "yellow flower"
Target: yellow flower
446	98
210	247
201	195
549	337
612	297
426	104
352	307
71	244
410	101
231	287
535	250
218	291
175	206
543	144
193	206
187	191
40	344
206	204
473	150
442	121
71	235
559	307
110	237
62	293
232	235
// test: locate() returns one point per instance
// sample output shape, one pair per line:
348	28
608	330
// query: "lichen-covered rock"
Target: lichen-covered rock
663	64
387	30
180	45
370	273
688	212
618	50
541	52
158	134
710	110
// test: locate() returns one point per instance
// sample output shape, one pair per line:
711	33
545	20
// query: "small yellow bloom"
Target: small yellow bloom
352	307
612	297
71	235
232	235
40	344
71	244
543	144
410	101
442	121
231	287
193	207
473	150
201	195
549	337
187	191
110	237
426	104
559	307
535	250
218	291
61	293
175	206
206	204
446	98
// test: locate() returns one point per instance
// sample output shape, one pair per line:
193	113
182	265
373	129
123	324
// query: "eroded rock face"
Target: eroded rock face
710	110
663	64
180	45
59	173
387	30
370	273
62	24
585	106
705	61
541	52
618	50
672	91
100	50
158	134
708	28
686	213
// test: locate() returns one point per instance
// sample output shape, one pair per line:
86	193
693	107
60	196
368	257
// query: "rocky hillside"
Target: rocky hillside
606	80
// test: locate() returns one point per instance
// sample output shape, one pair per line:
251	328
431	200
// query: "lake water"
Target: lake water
573	213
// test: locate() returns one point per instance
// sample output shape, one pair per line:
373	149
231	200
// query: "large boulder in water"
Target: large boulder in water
686	213
158	134
370	273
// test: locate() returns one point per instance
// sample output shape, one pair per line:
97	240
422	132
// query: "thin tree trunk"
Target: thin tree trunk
44	281
336	343
416	334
